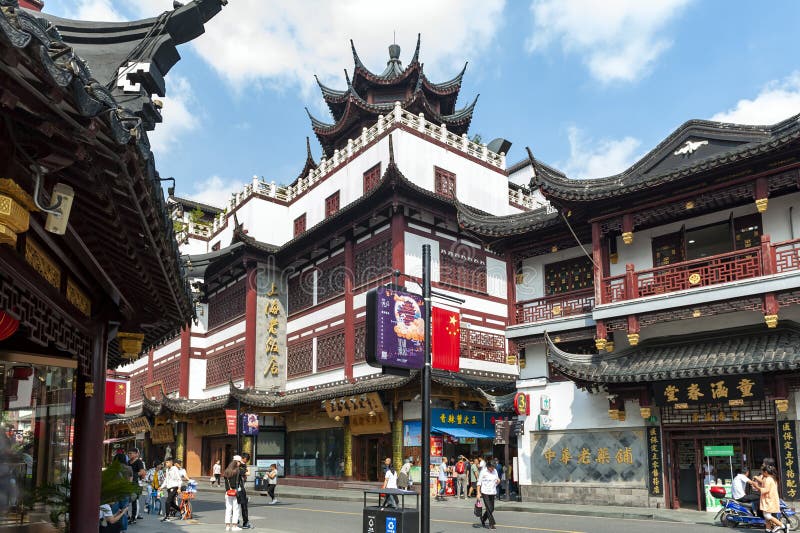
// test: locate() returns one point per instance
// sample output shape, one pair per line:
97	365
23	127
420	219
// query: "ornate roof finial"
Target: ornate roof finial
415	59
308	148
394	52
347	77
391	150
356	59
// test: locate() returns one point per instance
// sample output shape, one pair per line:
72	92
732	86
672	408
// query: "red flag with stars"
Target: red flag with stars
116	393
446	339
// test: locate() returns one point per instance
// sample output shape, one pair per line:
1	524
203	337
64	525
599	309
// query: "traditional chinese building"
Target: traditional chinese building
282	276
657	314
89	267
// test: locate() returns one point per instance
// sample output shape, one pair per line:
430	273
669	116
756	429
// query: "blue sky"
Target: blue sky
590	86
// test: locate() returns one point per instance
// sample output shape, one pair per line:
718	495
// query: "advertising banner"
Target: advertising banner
249	424
230	421
395	329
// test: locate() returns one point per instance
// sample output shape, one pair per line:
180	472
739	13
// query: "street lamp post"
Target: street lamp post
425	512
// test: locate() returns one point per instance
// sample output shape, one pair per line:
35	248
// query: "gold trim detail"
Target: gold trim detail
130	344
610	346
600	344
771	320
78	298
41	263
627	237
645	412
694	278
12	189
613	414
782	405
633	339
761	204
556	310
14	219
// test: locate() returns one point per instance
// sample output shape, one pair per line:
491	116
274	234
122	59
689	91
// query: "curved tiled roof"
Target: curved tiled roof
731	351
504	226
735	142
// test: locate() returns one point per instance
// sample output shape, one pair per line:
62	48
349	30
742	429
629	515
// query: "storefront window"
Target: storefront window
318	453
271	443
36	441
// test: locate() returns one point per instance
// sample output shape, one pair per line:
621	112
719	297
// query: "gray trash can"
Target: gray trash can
382	519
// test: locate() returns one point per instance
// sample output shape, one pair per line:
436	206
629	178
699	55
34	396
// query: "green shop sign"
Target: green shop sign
718	451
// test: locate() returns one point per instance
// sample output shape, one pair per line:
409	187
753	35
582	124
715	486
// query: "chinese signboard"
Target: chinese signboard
731	390
271	307
395	329
162	434
249	424
522	404
437	446
230	421
655	469
591	456
787	444
360	404
450	418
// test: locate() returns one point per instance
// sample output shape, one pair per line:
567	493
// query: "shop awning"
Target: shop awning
463	433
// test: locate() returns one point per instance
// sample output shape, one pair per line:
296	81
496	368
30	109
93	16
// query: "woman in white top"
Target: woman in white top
216	471
390	482
272	482
487	490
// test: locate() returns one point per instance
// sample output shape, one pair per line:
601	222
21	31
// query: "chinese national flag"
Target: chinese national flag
116	392
446	339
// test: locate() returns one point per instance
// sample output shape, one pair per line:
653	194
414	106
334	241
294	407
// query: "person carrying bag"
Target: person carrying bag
232	486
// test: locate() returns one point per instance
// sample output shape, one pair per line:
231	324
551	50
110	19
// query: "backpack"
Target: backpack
460	467
402	479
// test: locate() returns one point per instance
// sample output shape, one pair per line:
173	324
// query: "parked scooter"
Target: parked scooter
734	514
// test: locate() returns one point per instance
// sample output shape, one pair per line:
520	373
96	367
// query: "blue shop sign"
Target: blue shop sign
451	418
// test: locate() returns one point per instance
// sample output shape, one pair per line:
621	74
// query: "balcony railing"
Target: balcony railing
483	346
763	260
555	306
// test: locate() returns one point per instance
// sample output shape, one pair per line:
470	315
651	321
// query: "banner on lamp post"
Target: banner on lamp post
445	339
230	421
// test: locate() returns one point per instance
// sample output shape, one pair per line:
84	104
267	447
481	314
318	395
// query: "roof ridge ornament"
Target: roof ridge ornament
689	147
415	57
356	59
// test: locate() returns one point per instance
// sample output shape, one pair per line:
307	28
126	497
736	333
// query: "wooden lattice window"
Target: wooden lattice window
300	225
300	358
483	346
464	267
223	366
361	341
301	291
169	374
331	204
372	177
227	304
330	350
138	381
373	261
330	279
567	276
668	249
445	182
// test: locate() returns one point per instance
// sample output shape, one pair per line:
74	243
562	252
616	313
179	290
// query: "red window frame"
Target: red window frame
299	224
445	182
331	204
372	178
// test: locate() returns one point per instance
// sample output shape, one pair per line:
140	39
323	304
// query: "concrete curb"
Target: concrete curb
644	514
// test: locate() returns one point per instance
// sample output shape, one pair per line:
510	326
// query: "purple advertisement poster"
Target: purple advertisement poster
249	424
399	329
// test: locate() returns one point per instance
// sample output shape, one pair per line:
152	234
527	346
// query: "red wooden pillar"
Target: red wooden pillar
511	290
87	459
398	243
761	193
349	315
250	328
601	335
186	350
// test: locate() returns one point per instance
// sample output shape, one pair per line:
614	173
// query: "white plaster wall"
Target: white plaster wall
522	176
320	315
476	185
197	379
782	218
320	378
194	246
174	344
496	278
413	255
532	285
219	390
230	334
363	369
264	220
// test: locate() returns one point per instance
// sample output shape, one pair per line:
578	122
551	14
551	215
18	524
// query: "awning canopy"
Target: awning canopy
462	433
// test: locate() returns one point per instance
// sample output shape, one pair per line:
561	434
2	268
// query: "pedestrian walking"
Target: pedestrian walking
461	477
473	477
390	482
233	485
139	473
245	471
272	483
172	483
404	476
443	475
487	490
216	472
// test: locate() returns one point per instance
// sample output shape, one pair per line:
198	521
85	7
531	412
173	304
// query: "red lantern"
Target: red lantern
8	325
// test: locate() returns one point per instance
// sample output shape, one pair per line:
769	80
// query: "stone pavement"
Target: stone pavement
604	511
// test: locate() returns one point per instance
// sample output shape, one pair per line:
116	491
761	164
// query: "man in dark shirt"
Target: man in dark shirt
139	471
243	493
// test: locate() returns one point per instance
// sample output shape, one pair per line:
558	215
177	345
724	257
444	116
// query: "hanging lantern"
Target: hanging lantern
130	344
8	325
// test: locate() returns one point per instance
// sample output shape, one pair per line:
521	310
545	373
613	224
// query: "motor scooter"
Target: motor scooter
734	514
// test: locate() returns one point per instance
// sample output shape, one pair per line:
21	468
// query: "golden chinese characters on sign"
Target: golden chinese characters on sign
273	312
601	456
654	461
732	390
788	453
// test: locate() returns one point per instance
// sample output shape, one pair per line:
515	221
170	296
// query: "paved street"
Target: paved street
317	516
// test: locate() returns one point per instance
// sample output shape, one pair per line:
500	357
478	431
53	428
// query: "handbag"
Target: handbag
233	491
478	509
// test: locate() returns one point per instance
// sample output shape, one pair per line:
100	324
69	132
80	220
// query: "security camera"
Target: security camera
62	197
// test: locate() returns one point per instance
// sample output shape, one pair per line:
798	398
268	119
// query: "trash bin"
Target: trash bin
380	519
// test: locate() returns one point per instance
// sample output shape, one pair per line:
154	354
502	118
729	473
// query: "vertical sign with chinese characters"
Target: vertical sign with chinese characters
271	312
787	439
655	469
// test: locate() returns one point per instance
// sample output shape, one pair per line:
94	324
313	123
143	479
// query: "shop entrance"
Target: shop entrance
370	452
217	449
689	470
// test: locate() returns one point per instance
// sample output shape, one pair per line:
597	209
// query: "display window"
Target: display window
318	453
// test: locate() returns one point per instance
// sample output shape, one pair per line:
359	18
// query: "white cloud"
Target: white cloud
215	190
597	159
99	10
778	100
283	44
180	114
618	40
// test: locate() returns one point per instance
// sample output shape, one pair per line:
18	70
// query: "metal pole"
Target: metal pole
425	511
238	428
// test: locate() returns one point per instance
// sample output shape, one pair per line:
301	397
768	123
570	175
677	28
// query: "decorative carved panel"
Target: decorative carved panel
41	262
331	204
301	291
361	341
483	346
372	178
330	279
557	306
299	225
463	266
78	298
168	374
330	350
300	359
227	304
567	276
445	182
223	366
373	261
